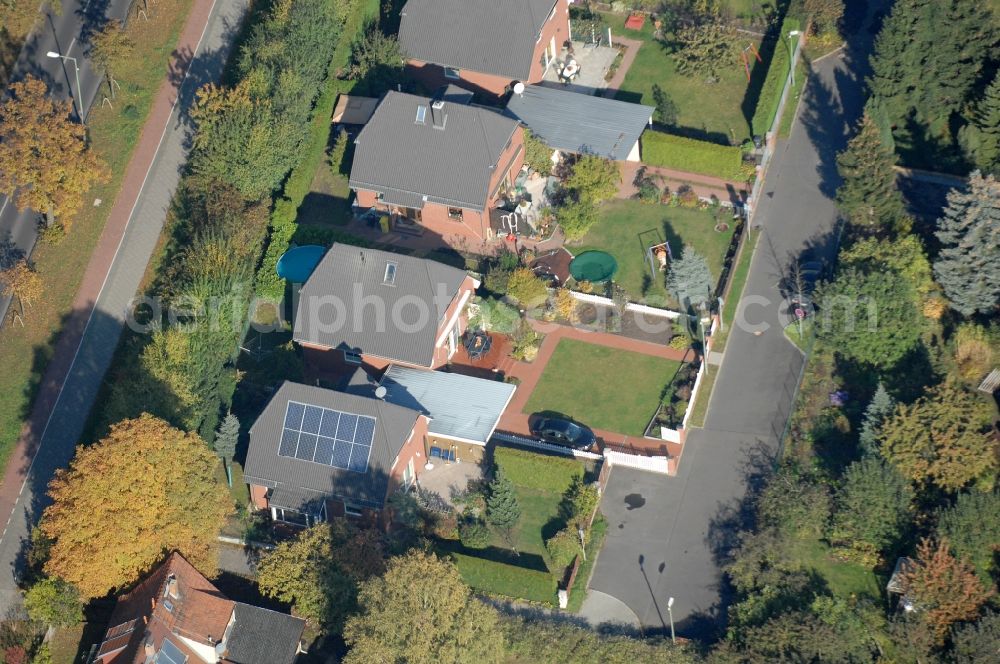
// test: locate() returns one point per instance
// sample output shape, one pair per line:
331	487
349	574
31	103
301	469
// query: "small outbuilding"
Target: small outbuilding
353	110
578	123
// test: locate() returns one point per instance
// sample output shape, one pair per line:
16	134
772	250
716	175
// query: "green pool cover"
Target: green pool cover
593	266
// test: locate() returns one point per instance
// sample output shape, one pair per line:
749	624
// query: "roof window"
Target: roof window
390	274
421	114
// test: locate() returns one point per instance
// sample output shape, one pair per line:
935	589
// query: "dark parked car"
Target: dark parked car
564	432
798	287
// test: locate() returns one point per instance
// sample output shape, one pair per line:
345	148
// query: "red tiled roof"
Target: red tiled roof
194	610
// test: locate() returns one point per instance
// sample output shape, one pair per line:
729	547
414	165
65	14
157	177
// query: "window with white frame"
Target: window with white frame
452	73
352	357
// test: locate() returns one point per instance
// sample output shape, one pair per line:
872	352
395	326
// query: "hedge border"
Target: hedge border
283	217
660	149
517	583
774	82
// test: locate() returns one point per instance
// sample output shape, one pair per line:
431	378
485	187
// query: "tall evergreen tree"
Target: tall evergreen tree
898	61
968	266
879	408
963	34
873	509
225	442
502	509
981	137
869	197
689	279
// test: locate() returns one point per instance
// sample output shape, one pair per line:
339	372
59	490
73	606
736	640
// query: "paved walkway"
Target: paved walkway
515	419
631	50
91	332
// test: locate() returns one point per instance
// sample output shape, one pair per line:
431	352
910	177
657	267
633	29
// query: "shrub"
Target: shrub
565	304
496	315
974	351
774	82
687	154
537	155
473	533
525	343
338	151
579	502
576	218
526	287
54	602
496	280
593	179
532	470
562	548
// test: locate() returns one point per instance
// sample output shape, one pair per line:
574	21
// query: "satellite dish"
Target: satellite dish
380	391
519	88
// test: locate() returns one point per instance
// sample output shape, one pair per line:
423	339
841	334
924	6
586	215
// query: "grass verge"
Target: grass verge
794	97
800	335
700	408
736	286
606	388
579	591
25	351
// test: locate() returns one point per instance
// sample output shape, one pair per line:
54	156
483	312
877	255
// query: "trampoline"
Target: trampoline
298	264
593	266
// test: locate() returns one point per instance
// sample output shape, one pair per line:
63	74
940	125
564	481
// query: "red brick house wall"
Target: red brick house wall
474	225
556	27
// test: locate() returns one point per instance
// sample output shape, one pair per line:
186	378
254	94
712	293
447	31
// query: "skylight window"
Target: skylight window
421	114
390	274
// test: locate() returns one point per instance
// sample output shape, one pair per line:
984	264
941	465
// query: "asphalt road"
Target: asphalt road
100	338
68	34
669	537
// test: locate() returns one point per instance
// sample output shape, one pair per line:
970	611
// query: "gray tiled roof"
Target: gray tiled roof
353	277
459	406
407	161
488	36
576	122
262	636
294	477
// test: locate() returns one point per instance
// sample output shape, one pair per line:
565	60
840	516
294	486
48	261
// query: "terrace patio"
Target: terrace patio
594	62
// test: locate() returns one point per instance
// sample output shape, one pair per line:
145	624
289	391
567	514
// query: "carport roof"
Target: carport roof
575	122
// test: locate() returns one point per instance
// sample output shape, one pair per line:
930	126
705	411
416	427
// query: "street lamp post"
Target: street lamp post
79	90
670	612
791	53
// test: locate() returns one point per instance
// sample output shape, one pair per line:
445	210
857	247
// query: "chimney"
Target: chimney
172	585
438	116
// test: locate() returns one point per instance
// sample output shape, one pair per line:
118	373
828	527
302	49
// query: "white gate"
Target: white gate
654	464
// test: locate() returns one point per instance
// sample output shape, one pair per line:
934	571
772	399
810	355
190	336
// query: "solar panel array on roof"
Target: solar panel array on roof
326	436
170	654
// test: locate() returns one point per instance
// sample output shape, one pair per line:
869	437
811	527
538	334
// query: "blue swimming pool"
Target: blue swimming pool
298	263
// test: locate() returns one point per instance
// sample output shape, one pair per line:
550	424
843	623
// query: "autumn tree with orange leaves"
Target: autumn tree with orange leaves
126	501
45	163
21	281
944	589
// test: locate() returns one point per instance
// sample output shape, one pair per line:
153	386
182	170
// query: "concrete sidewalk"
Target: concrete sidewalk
90	334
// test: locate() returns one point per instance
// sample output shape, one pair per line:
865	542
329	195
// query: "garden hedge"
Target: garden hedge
268	284
774	82
533	470
500	579
691	155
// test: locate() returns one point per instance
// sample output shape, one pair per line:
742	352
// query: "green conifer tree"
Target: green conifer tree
869	197
879	408
968	265
225	442
899	58
503	512
981	137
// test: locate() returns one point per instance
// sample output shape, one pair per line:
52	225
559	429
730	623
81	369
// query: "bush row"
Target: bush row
283	219
774	82
694	156
532	470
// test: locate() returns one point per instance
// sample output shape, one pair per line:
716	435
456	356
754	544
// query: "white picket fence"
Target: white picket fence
631	306
653	464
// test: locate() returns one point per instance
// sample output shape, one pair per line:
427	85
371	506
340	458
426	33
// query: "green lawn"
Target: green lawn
602	387
578	592
539	520
628	227
328	200
843	578
712	111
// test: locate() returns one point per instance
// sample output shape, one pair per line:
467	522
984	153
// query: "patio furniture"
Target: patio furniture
478	344
593	266
435	452
570	71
